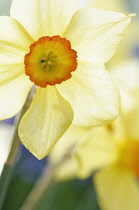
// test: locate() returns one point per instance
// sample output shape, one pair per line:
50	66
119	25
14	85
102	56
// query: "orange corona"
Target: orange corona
50	61
130	156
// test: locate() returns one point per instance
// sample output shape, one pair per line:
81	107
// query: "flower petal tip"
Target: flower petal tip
132	15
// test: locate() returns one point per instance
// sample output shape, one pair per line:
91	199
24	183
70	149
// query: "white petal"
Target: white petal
92	95
45	122
117	190
46	17
14	88
6	133
95	34
14	35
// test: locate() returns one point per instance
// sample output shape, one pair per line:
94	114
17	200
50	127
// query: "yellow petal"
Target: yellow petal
95	34
12	34
67	170
126	77
117	190
96	151
14	43
67	143
63	152
14	88
92	95
45	122
14	84
117	5
44	18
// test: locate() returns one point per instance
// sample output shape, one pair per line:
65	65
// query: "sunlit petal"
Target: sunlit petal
95	34
92	94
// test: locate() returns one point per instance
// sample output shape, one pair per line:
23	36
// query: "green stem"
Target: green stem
9	165
43	184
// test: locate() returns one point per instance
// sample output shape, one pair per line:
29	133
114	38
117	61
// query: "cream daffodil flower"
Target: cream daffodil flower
112	150
61	49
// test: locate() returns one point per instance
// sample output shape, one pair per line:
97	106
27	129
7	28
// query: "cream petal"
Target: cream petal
46	17
95	34
116	189
92	95
14	88
13	35
45	122
14	84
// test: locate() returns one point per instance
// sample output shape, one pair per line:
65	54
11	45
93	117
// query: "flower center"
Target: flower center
50	61
130	156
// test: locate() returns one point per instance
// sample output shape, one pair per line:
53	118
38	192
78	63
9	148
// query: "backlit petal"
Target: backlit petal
45	122
92	95
95	34
117	189
46	17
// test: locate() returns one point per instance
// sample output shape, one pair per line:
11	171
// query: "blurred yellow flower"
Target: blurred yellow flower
48	42
117	185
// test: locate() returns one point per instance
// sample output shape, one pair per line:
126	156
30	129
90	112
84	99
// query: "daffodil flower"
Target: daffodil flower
112	151
60	48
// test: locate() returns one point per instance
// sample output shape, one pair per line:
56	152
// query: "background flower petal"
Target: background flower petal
98	150
117	189
126	77
45	122
95	34
92	95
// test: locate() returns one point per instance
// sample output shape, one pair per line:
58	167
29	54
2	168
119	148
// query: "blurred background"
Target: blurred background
73	193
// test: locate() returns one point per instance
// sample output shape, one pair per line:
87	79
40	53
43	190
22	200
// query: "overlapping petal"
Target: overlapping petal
95	34
44	18
64	152
14	88
92	95
14	35
14	43
45	122
117	189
